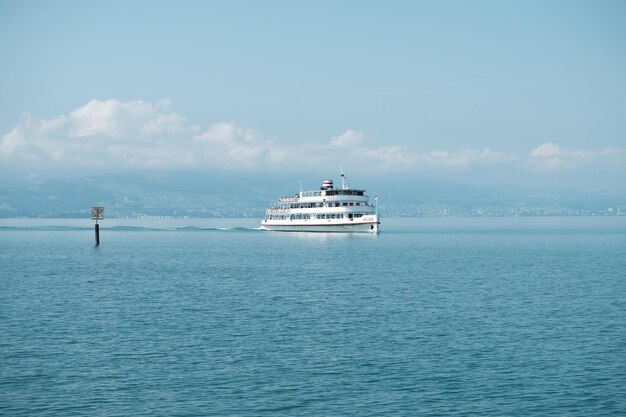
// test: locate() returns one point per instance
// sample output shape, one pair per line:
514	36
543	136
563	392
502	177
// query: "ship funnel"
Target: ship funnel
327	184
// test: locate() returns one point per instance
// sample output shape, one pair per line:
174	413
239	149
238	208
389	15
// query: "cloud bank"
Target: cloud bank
112	134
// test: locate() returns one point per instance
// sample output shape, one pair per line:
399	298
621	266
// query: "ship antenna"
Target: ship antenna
344	182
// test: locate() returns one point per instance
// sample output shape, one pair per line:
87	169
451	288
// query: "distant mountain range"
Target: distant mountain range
206	194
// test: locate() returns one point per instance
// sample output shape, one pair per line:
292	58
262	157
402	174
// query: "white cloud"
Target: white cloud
227	146
114	118
463	159
348	138
547	150
550	157
101	134
227	133
388	158
10	142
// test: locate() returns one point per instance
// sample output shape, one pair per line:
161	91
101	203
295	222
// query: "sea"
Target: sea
214	317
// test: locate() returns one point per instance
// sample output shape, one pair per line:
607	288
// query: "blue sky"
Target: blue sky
471	90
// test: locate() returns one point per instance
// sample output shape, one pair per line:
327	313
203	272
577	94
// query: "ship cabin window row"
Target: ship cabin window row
315	205
304	216
276	217
344	192
305	205
332	192
339	216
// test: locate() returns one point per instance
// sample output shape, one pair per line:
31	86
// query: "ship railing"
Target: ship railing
288	199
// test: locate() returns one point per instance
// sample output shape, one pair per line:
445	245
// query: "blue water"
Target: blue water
500	317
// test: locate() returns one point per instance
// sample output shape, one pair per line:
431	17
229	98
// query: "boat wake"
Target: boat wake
126	229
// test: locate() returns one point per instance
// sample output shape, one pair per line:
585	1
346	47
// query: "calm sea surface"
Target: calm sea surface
499	317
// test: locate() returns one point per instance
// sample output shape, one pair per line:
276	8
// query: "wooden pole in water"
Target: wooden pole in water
97	213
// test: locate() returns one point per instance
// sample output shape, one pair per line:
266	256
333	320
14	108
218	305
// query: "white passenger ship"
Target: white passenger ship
324	210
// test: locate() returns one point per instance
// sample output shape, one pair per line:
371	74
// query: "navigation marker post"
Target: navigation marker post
97	213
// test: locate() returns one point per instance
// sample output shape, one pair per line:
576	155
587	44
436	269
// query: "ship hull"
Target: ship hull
361	227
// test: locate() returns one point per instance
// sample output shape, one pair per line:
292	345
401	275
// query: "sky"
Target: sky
484	91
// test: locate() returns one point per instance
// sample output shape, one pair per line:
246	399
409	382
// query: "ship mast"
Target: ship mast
344	182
